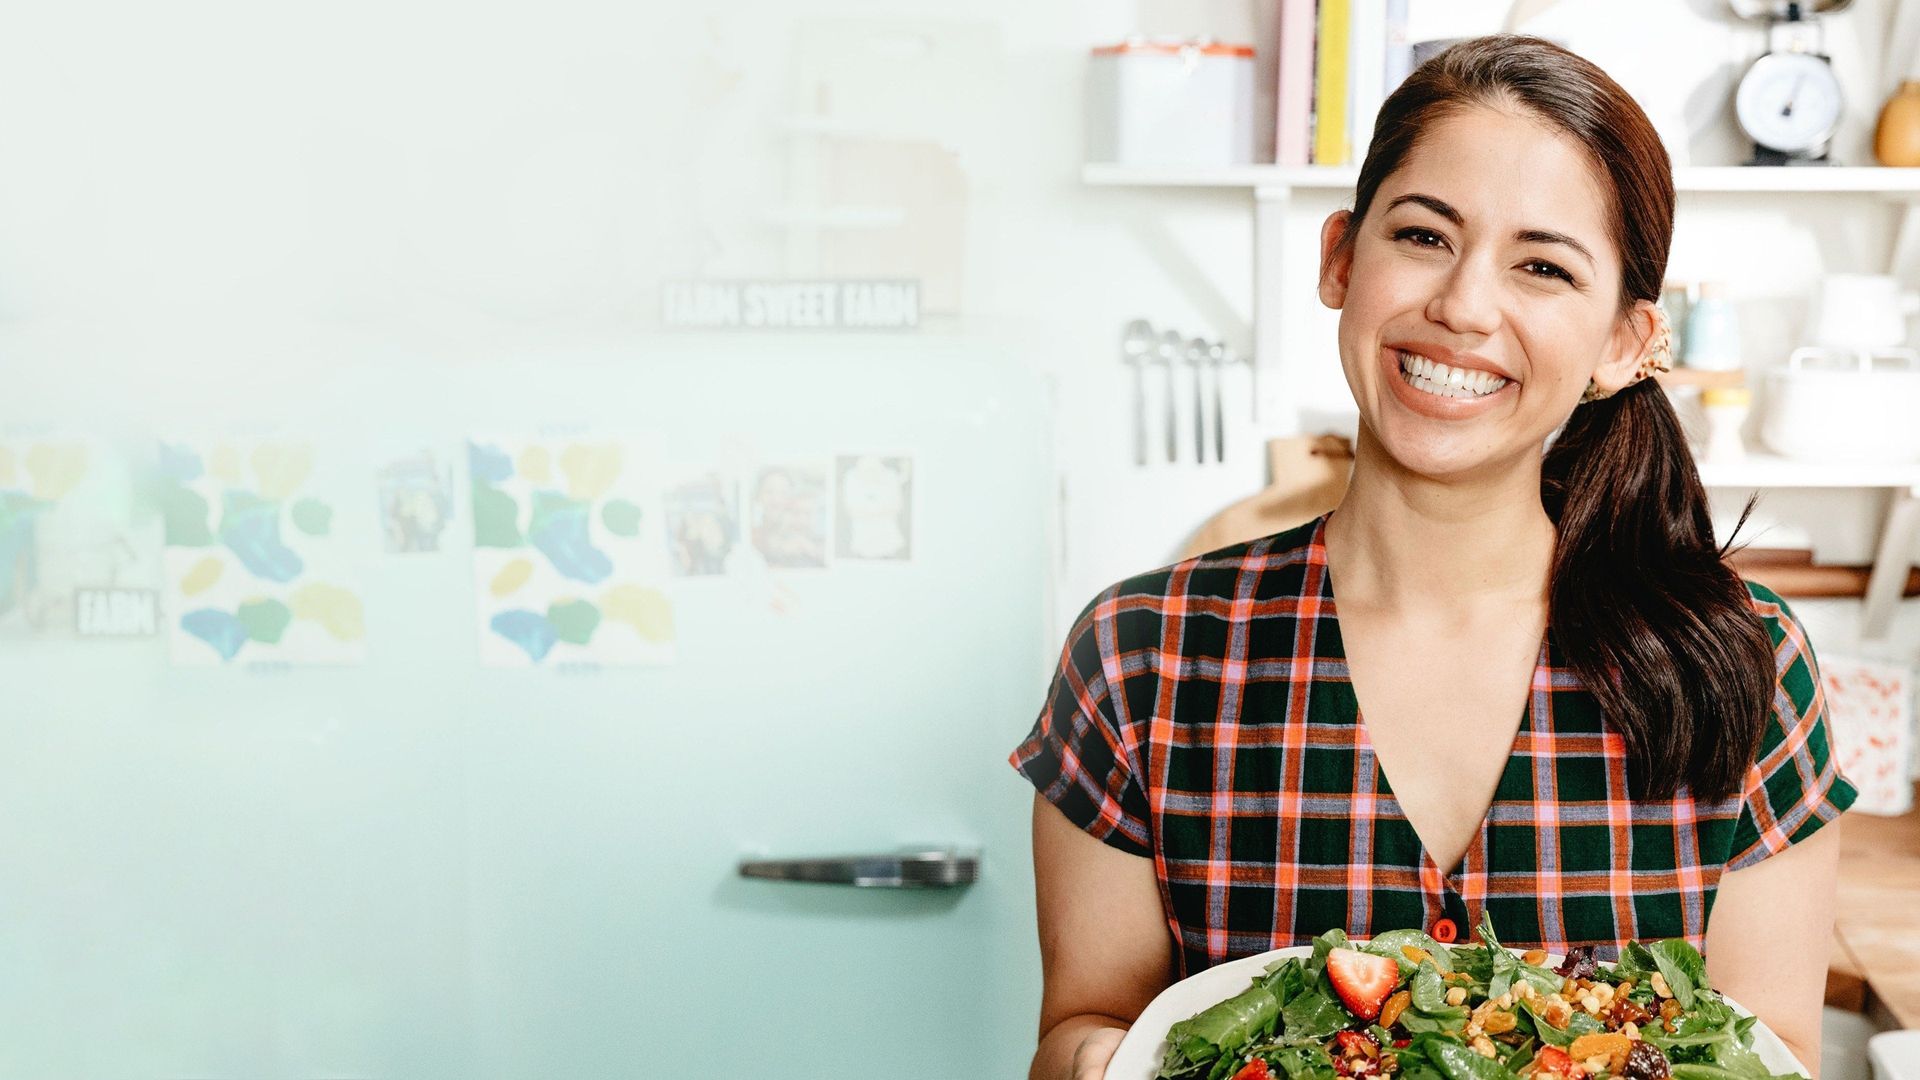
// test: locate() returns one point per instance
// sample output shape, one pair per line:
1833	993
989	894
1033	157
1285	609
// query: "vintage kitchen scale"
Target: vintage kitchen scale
1789	101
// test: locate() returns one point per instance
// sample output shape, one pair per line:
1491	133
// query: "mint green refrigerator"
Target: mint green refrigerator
631	708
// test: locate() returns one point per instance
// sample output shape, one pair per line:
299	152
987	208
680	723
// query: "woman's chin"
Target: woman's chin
1451	455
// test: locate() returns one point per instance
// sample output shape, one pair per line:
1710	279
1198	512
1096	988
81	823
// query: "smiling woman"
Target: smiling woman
1542	696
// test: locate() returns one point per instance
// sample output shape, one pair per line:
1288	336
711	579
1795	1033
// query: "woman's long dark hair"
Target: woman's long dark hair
1656	624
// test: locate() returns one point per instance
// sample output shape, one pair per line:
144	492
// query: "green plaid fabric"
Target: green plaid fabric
1202	716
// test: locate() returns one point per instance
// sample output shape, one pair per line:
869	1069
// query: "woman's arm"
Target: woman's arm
1105	950
1770	935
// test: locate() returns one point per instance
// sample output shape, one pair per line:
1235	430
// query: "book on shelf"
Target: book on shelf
1330	132
1293	96
1335	63
1367	73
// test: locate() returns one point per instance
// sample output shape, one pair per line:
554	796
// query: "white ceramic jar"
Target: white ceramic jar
1170	102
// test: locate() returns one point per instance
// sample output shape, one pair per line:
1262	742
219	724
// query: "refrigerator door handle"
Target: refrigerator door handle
943	869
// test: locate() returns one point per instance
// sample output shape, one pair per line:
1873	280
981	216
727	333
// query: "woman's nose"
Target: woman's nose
1468	299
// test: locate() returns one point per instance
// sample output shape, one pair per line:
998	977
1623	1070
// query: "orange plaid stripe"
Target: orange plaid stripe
1202	716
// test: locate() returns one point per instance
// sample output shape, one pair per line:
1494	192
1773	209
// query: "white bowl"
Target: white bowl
1145	1045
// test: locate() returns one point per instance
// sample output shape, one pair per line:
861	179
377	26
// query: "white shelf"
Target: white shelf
1272	188
1701	178
1770	471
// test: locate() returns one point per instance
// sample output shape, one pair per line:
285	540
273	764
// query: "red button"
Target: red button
1445	932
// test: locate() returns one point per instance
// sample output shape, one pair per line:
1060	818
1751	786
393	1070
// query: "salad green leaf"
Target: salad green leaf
1302	1062
1335	938
1314	1015
1286	978
1219	1029
1429	993
1391	942
1459	1062
1681	966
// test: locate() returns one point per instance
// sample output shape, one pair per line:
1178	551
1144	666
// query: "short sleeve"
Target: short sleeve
1081	756
1794	786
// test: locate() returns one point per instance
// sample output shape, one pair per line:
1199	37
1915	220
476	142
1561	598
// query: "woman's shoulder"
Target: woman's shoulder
1783	626
1204	586
1278	560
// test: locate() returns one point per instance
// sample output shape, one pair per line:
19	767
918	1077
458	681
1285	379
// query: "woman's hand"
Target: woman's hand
1091	1056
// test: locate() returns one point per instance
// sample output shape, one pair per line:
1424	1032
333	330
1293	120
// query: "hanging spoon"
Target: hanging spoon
1197	359
1136	342
1217	359
1171	346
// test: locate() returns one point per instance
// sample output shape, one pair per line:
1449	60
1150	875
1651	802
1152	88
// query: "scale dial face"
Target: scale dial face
1789	102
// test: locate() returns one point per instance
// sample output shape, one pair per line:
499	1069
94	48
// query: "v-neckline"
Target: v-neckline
1369	758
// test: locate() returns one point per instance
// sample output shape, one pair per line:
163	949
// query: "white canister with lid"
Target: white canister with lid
1843	407
1170	102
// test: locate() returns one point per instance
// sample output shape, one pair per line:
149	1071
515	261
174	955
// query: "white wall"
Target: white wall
219	189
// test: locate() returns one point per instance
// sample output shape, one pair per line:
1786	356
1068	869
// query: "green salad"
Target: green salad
1404	1006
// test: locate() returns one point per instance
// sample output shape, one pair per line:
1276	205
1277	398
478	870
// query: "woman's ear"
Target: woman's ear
1627	347
1336	259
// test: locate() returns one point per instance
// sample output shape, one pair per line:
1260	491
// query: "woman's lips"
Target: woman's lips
1436	405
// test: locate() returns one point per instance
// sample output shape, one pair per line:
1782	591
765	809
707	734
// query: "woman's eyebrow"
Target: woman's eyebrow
1525	236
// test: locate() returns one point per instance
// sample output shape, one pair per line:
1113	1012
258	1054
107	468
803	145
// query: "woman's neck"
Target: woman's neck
1400	541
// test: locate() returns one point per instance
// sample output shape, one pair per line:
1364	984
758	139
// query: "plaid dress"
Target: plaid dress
1202	716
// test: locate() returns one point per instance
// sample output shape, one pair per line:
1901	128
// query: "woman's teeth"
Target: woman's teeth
1444	381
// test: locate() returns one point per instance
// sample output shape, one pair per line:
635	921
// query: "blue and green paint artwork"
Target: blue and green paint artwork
564	564
244	577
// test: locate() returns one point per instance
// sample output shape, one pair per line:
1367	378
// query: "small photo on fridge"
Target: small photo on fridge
874	512
703	525
416	502
789	516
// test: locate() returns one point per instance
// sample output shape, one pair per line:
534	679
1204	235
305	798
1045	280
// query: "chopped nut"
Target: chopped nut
1590	1003
1505	1001
1630	1029
1660	988
1457	995
1603	993
1536	957
1596	1063
1483	1046
1525	991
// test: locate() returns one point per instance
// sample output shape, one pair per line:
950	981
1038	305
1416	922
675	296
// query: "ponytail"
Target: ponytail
1659	628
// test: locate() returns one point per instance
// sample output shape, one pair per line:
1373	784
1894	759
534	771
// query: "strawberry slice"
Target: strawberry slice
1363	981
1254	1070
1551	1060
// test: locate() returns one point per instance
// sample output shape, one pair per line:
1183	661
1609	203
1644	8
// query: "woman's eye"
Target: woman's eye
1545	269
1422	237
